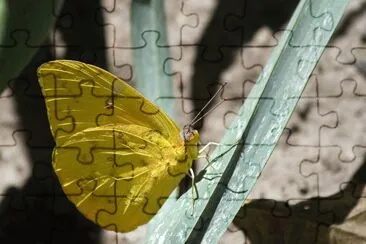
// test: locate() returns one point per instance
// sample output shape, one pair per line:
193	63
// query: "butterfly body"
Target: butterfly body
117	156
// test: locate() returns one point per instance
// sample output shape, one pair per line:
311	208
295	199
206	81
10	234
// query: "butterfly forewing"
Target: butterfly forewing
81	96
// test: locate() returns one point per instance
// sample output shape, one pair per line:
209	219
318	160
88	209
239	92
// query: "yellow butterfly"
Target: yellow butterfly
118	156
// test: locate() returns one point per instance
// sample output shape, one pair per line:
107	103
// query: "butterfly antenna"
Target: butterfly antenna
195	120
209	111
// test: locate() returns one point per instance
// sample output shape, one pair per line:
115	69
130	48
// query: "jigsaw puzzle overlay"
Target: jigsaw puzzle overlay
314	178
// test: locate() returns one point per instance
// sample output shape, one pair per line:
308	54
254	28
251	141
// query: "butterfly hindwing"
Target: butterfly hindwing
124	172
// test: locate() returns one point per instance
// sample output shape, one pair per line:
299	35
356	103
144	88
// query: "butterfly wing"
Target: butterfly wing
117	156
80	96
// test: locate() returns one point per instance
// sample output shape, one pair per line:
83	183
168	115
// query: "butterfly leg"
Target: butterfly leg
207	145
209	164
205	156
194	188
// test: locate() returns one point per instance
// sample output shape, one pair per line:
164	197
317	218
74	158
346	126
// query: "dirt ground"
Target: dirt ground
321	149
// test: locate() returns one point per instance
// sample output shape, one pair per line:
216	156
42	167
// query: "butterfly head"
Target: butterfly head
189	135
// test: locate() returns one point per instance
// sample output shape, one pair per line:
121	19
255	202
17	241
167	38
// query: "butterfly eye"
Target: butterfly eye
187	133
187	136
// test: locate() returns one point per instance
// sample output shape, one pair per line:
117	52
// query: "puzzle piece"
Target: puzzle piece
151	41
285	156
208	75
337	69
235	24
79	32
334	137
277	221
307	118
18	43
330	168
347	46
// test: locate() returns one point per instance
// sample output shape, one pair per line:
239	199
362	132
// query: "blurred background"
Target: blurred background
210	42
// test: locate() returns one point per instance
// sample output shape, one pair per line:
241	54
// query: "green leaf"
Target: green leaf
151	53
259	125
23	28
